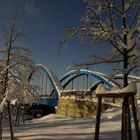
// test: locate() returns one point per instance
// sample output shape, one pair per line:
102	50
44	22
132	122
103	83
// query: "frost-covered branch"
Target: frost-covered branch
117	25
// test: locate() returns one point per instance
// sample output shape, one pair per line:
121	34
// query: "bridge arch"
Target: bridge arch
46	81
73	74
52	77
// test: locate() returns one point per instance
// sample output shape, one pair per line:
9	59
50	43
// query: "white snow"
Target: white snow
57	127
50	116
131	88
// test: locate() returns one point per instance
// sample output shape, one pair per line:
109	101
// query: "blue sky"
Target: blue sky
44	22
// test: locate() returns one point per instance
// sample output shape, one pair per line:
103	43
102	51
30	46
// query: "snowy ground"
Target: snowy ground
56	127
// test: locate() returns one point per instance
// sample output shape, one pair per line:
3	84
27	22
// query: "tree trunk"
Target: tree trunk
17	120
125	70
10	121
0	126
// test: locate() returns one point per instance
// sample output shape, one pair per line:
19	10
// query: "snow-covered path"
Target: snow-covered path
55	127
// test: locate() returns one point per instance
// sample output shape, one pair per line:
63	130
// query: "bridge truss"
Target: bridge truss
75	83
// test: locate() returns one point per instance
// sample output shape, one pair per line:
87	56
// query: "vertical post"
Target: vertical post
97	127
46	85
10	121
39	81
17	115
135	117
1	115
129	133
129	120
126	133
83	82
77	83
42	83
90	80
72	84
87	82
123	126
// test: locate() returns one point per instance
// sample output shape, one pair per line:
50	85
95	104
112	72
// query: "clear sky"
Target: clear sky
44	22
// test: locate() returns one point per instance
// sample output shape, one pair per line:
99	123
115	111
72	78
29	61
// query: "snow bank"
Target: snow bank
51	116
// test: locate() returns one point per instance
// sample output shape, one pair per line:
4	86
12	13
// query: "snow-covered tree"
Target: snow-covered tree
15	67
114	24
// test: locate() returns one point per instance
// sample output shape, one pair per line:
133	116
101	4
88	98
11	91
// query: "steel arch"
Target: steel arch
52	77
100	76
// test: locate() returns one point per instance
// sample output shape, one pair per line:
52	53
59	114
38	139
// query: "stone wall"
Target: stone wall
77	108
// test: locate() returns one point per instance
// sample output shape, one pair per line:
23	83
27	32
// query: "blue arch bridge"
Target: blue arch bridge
79	84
